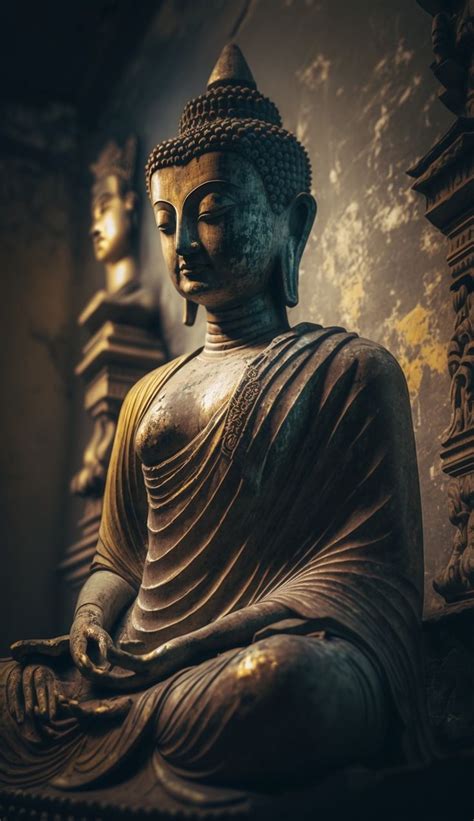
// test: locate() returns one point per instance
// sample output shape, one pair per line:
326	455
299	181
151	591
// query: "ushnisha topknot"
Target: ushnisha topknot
116	161
232	115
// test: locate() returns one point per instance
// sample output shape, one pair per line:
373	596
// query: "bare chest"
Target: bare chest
186	404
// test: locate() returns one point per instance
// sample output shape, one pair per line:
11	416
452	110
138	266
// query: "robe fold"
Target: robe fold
301	490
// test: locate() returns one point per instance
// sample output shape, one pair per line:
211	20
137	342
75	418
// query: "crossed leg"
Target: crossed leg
281	708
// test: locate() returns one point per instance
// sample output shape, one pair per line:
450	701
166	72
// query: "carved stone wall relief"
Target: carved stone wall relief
446	177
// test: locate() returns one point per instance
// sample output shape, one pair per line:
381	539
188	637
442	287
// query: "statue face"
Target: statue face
219	235
111	220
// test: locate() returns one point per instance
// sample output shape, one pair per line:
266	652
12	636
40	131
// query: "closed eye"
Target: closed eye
165	221
166	227
214	214
102	205
214	205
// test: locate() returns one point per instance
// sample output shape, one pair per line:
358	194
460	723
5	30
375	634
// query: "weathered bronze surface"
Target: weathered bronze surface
446	177
124	341
252	618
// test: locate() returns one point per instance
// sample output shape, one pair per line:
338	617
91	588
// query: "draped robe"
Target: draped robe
301	490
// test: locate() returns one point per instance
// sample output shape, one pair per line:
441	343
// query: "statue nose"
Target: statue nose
187	249
186	242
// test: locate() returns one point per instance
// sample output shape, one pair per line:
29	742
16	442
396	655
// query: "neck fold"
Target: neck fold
121	274
244	325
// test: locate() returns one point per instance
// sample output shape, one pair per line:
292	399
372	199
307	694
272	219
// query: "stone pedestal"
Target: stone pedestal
124	344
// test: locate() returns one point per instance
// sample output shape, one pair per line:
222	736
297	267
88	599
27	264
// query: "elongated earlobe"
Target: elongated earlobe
289	270
189	312
301	218
131	200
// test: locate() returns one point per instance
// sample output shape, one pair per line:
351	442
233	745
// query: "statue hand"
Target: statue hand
89	642
147	668
33	691
163	661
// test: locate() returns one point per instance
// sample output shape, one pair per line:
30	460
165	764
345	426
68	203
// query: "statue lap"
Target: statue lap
274	709
258	713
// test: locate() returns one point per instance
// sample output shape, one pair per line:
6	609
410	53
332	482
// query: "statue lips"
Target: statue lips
194	272
98	243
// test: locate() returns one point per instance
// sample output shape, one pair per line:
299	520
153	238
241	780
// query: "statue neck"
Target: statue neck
244	325
120	274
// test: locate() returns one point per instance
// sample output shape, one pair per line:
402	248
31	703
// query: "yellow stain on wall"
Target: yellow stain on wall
417	347
352	299
346	257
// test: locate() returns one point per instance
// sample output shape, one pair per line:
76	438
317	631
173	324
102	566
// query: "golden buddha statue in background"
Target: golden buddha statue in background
252	617
113	232
124	343
114	215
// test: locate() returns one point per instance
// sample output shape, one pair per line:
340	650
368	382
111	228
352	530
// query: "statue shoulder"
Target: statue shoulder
145	389
376	363
378	374
369	352
369	361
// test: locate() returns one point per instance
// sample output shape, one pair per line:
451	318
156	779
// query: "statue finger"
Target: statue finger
78	647
28	690
96	650
52	696
66	703
144	662
90	670
39	679
15	695
129	661
84	663
120	681
93	651
104	644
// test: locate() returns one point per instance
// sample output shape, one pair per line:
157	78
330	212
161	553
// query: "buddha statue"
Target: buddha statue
124	343
252	615
114	216
113	232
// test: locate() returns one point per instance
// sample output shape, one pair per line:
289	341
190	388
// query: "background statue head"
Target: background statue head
114	214
231	194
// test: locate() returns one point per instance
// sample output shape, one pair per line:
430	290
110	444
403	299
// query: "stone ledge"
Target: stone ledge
440	792
448	639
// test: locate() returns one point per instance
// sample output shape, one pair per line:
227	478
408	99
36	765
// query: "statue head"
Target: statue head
114	208
231	194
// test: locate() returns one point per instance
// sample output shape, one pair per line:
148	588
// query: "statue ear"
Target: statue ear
301	218
189	312
131	200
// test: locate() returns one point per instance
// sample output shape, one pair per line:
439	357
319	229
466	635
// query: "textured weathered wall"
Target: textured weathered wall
37	274
353	81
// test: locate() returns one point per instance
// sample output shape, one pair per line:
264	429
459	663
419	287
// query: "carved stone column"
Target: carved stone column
123	346
446	178
124	341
